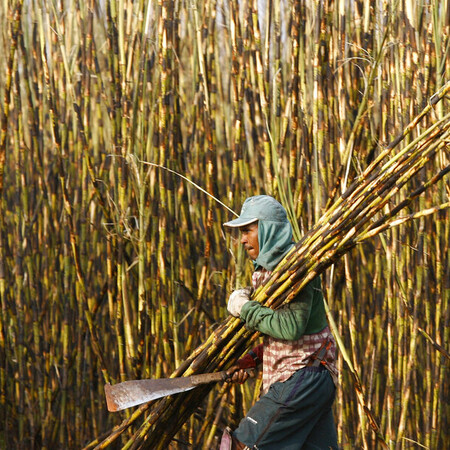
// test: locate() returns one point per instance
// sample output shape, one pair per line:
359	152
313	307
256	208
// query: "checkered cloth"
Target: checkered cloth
283	358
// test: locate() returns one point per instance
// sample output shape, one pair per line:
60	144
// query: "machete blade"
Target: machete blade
135	392
131	393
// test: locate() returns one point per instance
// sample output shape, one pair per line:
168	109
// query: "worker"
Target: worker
298	352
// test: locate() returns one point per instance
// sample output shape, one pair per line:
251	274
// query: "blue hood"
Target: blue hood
275	240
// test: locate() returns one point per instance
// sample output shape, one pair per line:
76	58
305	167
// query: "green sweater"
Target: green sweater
304	315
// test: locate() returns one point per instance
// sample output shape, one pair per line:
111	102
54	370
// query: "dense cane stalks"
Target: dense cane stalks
115	269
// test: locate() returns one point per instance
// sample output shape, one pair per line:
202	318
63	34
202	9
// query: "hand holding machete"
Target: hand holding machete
238	375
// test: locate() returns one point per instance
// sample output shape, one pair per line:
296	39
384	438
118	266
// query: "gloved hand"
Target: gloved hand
237	300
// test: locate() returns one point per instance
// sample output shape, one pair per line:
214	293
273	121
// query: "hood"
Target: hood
275	240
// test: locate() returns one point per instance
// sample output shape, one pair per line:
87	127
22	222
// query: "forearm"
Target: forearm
286	324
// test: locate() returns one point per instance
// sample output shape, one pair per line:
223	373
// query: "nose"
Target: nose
243	239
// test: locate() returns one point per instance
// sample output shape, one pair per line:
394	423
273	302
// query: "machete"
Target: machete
135	392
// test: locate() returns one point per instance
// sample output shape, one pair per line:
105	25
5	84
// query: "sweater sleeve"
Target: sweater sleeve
287	323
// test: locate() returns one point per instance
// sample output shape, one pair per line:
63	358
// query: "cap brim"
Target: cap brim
236	223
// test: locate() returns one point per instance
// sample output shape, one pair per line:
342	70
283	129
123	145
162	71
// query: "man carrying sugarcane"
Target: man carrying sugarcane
298	352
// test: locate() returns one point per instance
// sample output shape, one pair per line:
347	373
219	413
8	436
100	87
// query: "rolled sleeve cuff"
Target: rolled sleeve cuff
252	359
246	308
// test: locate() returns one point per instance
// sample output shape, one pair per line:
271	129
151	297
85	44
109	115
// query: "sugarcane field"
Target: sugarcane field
225	224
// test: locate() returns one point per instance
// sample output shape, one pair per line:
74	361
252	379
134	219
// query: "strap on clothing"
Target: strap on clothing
317	357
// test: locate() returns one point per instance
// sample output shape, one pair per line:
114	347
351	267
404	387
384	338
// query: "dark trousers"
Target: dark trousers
295	414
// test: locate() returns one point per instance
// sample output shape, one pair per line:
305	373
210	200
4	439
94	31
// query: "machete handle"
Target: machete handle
249	371
213	377
208	378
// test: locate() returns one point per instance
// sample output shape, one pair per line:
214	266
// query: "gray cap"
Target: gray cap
259	207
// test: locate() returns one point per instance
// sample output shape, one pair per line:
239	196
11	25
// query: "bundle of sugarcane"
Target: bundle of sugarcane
357	215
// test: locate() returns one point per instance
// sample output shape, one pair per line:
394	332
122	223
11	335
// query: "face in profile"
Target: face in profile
249	239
